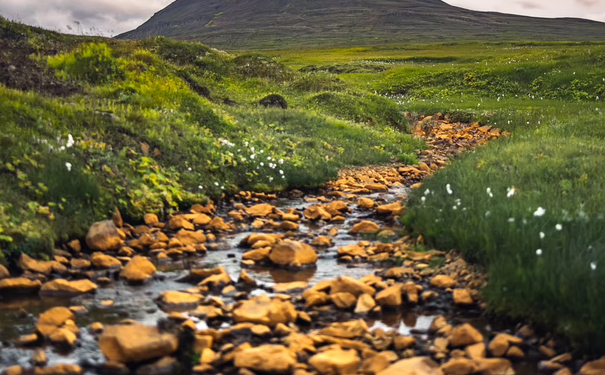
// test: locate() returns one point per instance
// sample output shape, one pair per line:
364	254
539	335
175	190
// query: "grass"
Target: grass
157	125
547	268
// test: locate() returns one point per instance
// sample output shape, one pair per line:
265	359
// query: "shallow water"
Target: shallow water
136	302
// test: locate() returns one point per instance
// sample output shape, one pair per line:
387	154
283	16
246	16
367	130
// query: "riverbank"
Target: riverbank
312	283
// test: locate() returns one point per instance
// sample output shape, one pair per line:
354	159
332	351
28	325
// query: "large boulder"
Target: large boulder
266	359
136	343
336	361
19	285
292	254
64	288
413	366
138	270
103	236
264	310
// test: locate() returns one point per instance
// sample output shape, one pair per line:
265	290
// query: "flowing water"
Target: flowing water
18	316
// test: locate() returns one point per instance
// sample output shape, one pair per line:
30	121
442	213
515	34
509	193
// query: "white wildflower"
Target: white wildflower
489	192
510	192
542	235
511	219
200	187
539	212
281	172
539	252
252	156
423	199
70	141
426	192
448	188
593	265
68	166
281	161
189	169
487	213
216	183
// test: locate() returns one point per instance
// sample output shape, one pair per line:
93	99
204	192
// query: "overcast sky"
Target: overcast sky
110	17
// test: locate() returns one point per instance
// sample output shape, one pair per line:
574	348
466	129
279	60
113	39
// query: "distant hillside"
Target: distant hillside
244	24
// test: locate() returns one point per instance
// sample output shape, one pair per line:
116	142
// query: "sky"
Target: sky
111	17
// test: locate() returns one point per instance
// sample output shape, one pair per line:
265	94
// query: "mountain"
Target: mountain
251	24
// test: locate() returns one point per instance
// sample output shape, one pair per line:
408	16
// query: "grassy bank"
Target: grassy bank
90	125
529	207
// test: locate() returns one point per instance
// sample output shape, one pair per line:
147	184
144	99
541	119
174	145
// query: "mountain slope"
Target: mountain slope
297	23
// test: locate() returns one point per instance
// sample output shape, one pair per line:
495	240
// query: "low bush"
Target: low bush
91	62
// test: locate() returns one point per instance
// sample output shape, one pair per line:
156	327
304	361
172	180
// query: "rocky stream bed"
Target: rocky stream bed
301	283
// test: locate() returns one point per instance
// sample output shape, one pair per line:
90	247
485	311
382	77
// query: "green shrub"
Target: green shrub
91	62
367	108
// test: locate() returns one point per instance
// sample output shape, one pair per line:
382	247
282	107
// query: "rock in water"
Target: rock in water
413	366
292	254
50	320
103	236
266	358
264	310
336	361
136	343
64	288
138	270
19	285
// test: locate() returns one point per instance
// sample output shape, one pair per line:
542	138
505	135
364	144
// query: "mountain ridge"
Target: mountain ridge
247	24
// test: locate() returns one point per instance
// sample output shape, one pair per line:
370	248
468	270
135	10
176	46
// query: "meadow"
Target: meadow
156	125
527	208
90	125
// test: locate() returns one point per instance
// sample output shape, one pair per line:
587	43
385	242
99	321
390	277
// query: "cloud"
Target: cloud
588	3
590	9
110	17
107	17
529	5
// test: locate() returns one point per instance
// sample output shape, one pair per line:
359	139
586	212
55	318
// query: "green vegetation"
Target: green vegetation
158	125
528	208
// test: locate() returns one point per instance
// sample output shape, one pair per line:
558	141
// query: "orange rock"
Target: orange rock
365	226
292	254
465	334
129	343
336	361
266	359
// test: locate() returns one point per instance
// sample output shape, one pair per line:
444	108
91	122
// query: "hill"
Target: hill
253	24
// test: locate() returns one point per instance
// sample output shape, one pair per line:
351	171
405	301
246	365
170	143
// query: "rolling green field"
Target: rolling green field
529	208
157	125
90	125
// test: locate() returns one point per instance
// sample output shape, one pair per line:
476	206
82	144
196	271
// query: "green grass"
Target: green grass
144	127
550	97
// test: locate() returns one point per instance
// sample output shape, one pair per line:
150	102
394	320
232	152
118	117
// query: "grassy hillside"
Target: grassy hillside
266	24
529	208
90	125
